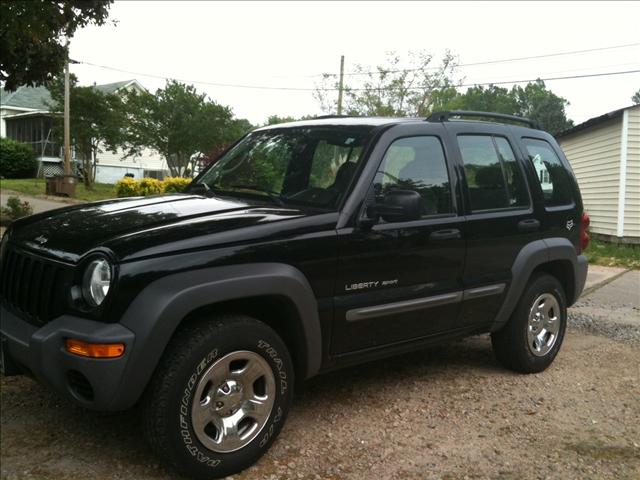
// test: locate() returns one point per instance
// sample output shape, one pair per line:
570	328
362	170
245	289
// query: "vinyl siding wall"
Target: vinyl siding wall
117	164
594	155
632	200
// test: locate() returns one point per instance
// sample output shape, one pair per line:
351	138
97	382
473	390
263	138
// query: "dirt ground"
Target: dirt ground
448	413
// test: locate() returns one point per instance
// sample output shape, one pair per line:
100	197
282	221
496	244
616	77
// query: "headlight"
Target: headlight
96	281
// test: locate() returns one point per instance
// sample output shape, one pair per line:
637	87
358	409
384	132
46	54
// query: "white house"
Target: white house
25	116
604	153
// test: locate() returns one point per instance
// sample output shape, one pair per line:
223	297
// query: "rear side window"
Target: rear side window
494	178
557	187
416	163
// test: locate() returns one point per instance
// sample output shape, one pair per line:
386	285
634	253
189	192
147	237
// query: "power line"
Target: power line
304	89
215	84
505	82
489	62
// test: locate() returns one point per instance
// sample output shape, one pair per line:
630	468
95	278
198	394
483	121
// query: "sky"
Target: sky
287	44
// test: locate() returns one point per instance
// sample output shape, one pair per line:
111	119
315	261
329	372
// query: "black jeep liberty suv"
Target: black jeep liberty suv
305	247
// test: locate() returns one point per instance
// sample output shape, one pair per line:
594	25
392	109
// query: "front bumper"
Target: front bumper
92	383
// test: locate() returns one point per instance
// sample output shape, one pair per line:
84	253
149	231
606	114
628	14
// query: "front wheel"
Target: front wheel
219	397
531	339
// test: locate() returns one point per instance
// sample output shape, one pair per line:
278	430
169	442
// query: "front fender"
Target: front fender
157	311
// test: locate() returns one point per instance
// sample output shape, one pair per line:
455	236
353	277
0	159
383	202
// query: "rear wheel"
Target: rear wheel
219	396
531	339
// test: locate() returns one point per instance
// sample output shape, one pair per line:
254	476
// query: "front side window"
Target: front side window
416	163
554	179
308	165
494	178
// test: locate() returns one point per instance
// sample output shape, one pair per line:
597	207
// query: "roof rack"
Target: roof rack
445	116
330	116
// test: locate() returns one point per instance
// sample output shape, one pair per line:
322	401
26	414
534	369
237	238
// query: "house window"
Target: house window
157	174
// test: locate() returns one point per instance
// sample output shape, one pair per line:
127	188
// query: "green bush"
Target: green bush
175	184
17	160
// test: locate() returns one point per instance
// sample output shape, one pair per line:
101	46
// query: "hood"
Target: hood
69	233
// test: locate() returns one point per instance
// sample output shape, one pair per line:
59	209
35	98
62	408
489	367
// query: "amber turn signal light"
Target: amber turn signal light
94	350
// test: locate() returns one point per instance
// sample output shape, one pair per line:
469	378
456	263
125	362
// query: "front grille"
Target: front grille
31	286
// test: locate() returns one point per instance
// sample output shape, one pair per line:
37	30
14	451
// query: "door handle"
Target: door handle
448	234
530	225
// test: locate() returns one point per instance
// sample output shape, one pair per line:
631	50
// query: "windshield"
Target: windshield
307	165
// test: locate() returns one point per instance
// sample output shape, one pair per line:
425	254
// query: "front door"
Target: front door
402	281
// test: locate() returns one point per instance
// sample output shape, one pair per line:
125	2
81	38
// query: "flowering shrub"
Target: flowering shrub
127	187
16	209
175	184
149	186
130	187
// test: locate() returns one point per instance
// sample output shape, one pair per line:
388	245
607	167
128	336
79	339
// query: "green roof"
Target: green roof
39	98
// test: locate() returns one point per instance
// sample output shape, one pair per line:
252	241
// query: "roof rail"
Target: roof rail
330	116
445	116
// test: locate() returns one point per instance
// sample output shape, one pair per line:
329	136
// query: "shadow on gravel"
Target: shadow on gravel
429	365
116	439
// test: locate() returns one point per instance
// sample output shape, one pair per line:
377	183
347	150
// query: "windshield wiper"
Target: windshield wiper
200	189
273	196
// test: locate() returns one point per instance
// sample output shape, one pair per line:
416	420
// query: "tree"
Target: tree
32	49
275	120
533	101
636	98
238	129
96	123
397	88
179	123
415	88
538	103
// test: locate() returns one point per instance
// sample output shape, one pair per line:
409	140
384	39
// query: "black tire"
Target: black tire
167	402
511	343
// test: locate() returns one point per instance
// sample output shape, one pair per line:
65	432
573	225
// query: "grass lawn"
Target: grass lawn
613	255
36	186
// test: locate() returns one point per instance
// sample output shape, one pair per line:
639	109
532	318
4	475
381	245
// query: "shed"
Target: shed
604	153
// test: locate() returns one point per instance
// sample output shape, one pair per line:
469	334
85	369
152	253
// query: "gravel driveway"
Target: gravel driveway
448	413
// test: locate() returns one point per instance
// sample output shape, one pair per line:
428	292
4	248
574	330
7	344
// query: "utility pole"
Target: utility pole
67	126
341	85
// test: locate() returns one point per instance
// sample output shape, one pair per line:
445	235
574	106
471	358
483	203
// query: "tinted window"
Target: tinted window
416	163
493	176
516	187
557	187
328	160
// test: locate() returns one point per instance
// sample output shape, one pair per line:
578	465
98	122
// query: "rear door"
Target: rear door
402	281
500	218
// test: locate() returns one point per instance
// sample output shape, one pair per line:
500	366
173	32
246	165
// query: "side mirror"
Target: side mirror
400	206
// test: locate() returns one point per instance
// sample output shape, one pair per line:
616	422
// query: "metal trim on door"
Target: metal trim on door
404	306
423	303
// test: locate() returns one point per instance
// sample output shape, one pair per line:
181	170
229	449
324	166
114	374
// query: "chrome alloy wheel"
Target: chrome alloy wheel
233	401
544	324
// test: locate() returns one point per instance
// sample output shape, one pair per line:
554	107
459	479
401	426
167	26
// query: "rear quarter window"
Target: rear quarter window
553	177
